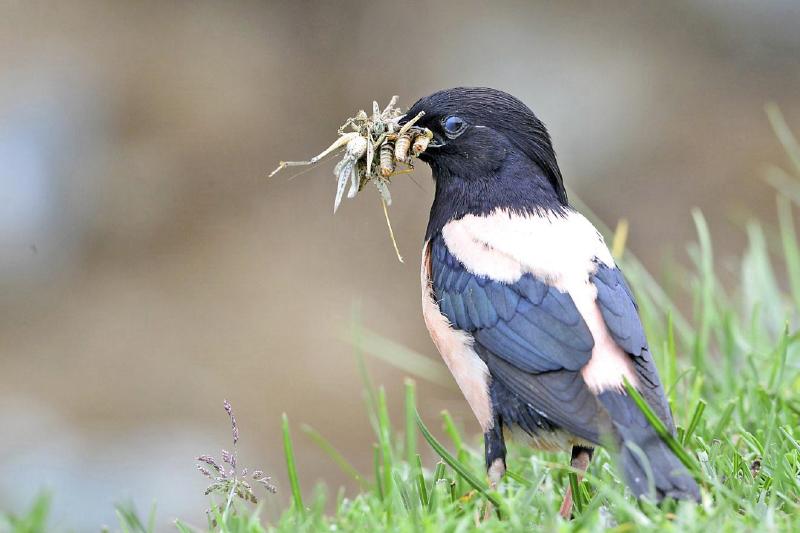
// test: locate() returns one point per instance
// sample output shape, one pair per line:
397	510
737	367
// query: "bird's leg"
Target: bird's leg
495	448
580	461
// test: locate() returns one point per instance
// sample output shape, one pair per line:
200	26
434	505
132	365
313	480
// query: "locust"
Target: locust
374	148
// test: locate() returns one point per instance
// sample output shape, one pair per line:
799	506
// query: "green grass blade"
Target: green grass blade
762	285
707	285
422	489
438	474
671	388
461	469
724	419
779	362
411	424
752	441
182	527
123	522
452	431
130	521
462	454
661	430
291	468
791	252
403	491
356	335
583	490
785	184
331	451
32	521
376	466
439	495
619	239
696	416
519	478
786	433
401	357
385	442
216	519
671	368
784	133
439	471
576	493
151	518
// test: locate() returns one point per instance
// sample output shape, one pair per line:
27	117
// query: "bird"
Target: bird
525	303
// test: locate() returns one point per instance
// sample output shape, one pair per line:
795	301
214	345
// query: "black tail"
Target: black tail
650	467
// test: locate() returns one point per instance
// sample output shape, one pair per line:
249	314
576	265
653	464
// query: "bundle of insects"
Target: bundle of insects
375	148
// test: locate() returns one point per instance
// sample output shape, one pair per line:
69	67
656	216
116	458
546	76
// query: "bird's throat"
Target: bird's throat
518	187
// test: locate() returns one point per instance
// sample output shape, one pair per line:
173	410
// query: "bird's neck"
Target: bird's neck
518	186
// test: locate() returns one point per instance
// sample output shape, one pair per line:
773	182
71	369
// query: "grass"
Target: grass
731	371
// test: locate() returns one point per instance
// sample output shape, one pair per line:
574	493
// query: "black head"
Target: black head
488	151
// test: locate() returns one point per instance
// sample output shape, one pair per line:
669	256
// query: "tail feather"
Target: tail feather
650	467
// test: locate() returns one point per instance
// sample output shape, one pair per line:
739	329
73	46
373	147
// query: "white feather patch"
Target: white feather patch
560	250
455	346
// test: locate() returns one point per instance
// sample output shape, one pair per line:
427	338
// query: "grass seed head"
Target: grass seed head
229	483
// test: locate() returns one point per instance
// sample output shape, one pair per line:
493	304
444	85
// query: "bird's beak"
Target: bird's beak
436	142
430	152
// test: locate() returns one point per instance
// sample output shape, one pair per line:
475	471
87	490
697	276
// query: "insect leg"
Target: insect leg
338	143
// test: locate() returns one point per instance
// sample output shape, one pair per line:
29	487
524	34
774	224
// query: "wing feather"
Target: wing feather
620	313
535	327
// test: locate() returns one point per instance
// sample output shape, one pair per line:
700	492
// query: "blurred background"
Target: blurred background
148	269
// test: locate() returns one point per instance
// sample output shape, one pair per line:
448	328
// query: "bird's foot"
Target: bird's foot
487	512
566	505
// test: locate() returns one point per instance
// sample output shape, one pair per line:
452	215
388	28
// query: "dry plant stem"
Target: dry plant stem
391	232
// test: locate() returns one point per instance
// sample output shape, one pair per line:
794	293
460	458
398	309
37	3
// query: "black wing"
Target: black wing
533	326
531	336
621	315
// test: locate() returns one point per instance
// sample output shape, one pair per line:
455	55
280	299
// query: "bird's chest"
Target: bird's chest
559	249
456	348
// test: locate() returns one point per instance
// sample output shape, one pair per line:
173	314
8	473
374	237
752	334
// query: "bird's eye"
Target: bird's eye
453	125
